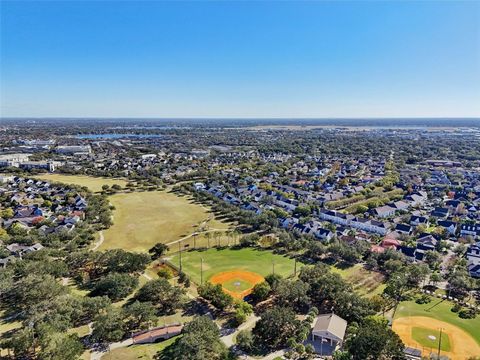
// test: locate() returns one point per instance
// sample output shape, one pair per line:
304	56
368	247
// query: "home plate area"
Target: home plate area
238	283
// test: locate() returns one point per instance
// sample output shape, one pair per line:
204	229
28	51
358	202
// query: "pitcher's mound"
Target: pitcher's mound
238	283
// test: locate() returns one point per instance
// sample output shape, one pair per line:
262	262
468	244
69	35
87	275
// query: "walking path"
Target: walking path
189	236
228	339
96	355
100	241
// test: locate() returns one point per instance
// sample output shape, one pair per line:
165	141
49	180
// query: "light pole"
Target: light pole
180	251
439	343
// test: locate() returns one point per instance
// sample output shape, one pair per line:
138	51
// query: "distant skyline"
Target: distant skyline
240	59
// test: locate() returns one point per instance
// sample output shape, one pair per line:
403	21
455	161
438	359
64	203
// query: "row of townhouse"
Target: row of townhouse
368	225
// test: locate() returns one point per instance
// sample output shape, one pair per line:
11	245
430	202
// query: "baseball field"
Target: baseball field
420	325
237	270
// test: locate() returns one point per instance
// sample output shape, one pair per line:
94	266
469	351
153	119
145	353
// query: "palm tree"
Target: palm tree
208	235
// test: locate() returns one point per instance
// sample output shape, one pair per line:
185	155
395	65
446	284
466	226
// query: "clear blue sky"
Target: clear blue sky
240	59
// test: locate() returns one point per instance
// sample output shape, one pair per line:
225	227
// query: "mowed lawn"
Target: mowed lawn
142	219
136	352
430	338
215	261
440	310
93	183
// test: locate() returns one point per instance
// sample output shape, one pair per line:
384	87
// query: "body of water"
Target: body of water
117	136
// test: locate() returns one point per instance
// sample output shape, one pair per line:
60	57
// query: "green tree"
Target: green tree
109	326
215	294
245	340
200	340
373	340
7	213
60	346
275	327
261	291
115	286
158	250
164	296
293	294
140	315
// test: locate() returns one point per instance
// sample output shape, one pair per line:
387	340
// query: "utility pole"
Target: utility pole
273	267
439	344
180	251
201	271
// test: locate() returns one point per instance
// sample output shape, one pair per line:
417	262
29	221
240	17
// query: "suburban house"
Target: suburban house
470	230
373	226
450	226
334	217
402	228
418	220
384	211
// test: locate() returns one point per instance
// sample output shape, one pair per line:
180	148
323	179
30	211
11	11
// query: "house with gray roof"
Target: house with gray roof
328	333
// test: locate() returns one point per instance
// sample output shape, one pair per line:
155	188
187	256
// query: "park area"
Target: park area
142	219
239	262
419	326
365	282
93	183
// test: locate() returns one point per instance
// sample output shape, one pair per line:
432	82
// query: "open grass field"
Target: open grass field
142	219
93	183
464	334
223	260
366	283
139	352
430	338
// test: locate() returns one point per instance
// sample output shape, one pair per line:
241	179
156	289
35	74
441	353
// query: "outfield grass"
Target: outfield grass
440	310
248	259
365	282
142	219
93	183
423	337
136	352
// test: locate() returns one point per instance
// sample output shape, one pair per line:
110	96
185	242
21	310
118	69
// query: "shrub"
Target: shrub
165	273
245	340
456	308
467	314
424	299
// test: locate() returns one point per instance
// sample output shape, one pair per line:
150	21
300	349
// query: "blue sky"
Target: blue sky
240	59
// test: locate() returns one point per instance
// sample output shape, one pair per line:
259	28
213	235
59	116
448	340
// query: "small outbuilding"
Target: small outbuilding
330	328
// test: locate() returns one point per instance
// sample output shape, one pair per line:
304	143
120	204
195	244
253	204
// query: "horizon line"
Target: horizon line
239	118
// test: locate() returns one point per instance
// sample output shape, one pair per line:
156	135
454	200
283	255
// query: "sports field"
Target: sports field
142	219
216	261
93	183
238	283
430	338
463	334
